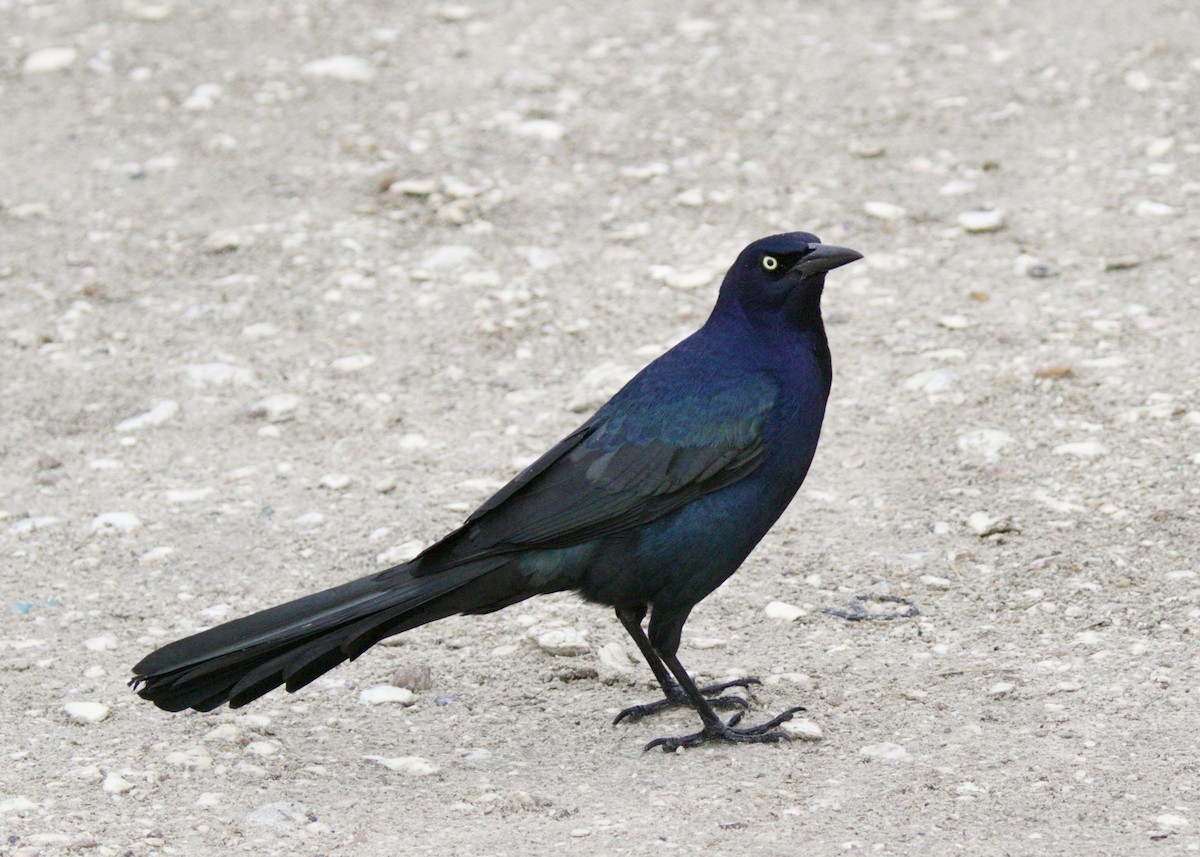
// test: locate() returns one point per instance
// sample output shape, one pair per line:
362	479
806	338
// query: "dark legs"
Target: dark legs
679	689
674	695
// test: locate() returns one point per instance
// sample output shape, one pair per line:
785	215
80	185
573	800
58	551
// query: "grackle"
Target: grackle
647	507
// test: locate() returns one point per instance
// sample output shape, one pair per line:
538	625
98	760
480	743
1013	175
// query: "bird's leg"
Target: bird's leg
673	695
714	728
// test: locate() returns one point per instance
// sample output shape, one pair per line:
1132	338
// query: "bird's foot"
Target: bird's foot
676	698
763	733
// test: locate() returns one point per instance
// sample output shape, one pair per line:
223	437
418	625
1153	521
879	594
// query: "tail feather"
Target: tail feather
294	643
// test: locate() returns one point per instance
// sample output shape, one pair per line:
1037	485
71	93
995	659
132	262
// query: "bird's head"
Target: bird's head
782	276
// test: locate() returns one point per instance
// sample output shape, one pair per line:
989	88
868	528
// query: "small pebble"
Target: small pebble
559	640
386	693
885	751
223	241
335	481
1083	449
279	814
203	97
1150	208
352	363
193	758
349	69
543	129
400	553
1122	263
412	765
49	60
277	408
450	257
954	322
226	732
1170	821
883	210
262	748
160	413
805	730
115	784
14	805
783	610
116	522
1001	689
982	220
986	444
934	582
86	712
102	643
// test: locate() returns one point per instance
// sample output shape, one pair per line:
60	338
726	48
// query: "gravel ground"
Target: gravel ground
287	288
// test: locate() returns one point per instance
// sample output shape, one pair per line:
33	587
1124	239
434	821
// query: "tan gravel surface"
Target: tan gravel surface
288	288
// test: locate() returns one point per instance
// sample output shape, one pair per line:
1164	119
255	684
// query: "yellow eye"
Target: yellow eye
770	263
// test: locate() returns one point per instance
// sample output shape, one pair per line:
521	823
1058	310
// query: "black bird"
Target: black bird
647	507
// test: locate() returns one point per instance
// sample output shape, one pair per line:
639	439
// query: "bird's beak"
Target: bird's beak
824	257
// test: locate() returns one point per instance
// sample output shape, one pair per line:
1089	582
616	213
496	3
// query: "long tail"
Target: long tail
296	642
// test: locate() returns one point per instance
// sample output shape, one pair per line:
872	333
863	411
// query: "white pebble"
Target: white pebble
49	60
984	443
682	280
203	97
87	712
223	241
400	553
543	129
450	257
353	363
218	375
954	322
277	408
805	730
115	784
158	414
935	582
1001	689
1138	80
194	758
783	610
883	210
982	220
979	522
260	330
155	555
350	69
706	642
1170	821
336	481
1150	208
560	641
413	765
262	748
13	805
226	732
613	657
116	522
886	752
1083	449
179	496
102	643
385	693
208	799
412	440
278	814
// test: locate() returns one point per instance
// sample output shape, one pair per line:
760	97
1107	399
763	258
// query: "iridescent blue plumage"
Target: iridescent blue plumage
647	507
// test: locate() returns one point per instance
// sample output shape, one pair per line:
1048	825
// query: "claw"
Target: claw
676	698
760	734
